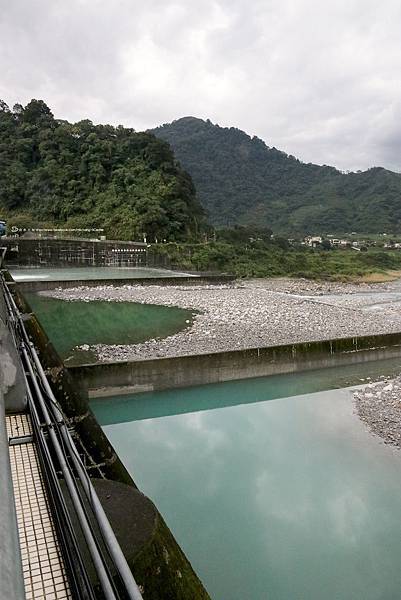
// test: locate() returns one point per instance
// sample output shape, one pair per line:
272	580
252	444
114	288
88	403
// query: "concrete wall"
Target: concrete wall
11	381
146	375
148	562
36	286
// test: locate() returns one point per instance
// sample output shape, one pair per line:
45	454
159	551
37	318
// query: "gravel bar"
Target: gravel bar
379	406
250	314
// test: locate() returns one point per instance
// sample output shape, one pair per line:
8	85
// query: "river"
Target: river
272	486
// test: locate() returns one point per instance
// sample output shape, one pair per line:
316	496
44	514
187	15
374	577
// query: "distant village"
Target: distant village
330	241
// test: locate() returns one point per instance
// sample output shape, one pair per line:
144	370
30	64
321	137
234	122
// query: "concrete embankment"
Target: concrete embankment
11	380
181	371
12	399
159	565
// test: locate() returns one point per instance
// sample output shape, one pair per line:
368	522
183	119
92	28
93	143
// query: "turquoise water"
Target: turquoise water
280	499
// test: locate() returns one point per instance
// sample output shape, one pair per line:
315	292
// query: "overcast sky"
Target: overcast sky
320	79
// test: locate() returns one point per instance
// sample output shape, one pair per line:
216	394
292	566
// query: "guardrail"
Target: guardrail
59	455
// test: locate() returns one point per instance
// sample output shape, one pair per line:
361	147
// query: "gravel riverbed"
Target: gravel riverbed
253	313
379	406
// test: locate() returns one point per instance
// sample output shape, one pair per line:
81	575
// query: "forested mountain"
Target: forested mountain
86	175
240	179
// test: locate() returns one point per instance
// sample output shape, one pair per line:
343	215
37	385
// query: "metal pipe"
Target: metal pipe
104	524
90	540
108	534
77	572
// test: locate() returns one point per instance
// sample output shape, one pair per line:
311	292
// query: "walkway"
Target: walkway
42	563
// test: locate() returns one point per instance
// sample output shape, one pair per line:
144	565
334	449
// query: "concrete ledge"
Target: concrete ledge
128	377
11	380
36	286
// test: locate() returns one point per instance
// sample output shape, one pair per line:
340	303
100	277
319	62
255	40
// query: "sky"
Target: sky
319	79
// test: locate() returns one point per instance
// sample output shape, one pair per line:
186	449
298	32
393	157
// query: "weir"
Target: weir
146	550
127	377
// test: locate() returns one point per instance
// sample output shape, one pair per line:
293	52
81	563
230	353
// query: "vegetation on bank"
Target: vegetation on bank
275	259
62	175
83	175
240	180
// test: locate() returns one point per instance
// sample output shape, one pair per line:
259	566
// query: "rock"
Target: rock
246	314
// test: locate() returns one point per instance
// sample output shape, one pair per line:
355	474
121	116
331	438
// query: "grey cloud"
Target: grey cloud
320	80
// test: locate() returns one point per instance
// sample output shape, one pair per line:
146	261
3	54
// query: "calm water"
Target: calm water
69	324
85	273
279	499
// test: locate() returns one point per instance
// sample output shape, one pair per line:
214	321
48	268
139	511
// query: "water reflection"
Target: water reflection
286	499
206	397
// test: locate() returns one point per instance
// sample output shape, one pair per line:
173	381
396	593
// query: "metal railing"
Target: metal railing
59	456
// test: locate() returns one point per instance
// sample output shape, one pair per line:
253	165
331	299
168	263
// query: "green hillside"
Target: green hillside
86	175
240	179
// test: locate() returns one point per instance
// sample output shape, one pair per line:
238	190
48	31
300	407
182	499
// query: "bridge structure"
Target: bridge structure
42	251
56	540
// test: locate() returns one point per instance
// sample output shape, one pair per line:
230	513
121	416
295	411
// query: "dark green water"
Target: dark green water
69	324
285	499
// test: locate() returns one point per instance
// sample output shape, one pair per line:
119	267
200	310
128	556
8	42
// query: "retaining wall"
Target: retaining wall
147	539
146	375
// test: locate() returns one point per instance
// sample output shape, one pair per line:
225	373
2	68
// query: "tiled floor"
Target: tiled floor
44	573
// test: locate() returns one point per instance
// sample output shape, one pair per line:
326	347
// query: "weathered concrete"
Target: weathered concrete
11	579
11	380
37	286
159	566
155	374
173	579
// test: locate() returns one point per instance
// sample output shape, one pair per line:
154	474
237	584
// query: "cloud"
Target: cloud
320	80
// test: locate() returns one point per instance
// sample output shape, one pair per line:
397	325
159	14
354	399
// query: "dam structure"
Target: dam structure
74	523
39	437
232	446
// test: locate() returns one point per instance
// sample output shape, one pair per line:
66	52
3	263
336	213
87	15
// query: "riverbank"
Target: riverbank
256	313
379	406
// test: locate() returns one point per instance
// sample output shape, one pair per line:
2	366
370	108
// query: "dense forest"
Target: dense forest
240	180
86	175
247	251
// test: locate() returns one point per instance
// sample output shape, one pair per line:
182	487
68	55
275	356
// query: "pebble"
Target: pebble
249	314
380	409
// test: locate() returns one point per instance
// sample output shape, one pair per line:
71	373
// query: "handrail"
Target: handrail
42	397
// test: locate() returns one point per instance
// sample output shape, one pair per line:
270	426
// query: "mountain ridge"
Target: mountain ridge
241	180
86	175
